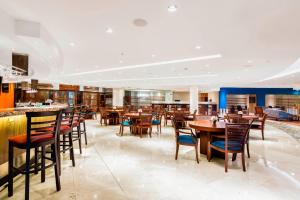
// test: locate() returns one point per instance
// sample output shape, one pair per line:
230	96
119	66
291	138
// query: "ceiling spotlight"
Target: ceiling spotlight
198	47
172	8
249	61
72	44
121	61
109	30
153	55
186	68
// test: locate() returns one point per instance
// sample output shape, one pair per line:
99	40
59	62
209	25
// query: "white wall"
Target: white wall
118	96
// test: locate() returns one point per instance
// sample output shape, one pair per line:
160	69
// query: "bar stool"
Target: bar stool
66	131
82	117
36	137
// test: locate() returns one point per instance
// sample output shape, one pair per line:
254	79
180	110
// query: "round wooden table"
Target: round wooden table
250	117
204	129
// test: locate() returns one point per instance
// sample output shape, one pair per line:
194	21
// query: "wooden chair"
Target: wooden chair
184	136
144	122
124	122
104	116
235	140
260	125
259	111
167	117
36	137
157	121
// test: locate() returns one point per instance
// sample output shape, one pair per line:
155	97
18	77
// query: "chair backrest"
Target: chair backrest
236	136
68	117
264	119
178	122
233	118
145	119
39	123
259	111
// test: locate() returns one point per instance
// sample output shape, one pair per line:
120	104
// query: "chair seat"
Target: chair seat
232	145
75	124
186	139
82	119
126	123
155	122
20	140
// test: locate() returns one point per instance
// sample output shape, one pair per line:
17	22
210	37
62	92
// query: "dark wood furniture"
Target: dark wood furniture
235	140
125	122
156	121
36	137
135	118
204	130
144	123
260	125
184	135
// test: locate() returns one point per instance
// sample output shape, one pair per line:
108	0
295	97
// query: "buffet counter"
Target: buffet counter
13	122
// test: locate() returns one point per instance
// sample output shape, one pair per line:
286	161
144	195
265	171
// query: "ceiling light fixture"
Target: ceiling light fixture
109	30
198	47
156	78
153	55
72	44
121	61
109	69
172	8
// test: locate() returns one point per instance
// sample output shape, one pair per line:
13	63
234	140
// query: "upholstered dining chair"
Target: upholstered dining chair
124	122
259	124
144	122
235	140
104	116
157	121
36	136
184	136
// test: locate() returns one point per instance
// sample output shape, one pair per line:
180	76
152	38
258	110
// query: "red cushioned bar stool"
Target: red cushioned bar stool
41	133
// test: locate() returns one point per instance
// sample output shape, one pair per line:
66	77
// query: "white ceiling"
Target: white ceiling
265	33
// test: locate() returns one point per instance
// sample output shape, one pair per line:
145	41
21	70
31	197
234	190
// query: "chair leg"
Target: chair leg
140	130
196	149
233	156
262	134
10	169
84	129
120	130
248	151
71	149
208	152
79	139
226	161
56	167
160	128
243	161
36	160
177	149
43	164
101	120
64	143
150	131
27	167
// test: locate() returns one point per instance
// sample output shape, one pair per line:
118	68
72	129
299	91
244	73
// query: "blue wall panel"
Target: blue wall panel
259	92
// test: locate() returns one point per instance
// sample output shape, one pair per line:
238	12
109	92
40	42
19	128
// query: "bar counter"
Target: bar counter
13	122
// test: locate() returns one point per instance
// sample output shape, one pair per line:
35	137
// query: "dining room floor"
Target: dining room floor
113	167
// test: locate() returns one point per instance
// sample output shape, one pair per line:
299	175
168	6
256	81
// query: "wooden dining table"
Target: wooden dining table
114	113
204	130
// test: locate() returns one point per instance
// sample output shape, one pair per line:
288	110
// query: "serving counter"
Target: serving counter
13	122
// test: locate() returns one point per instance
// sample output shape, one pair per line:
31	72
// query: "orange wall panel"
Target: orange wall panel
7	99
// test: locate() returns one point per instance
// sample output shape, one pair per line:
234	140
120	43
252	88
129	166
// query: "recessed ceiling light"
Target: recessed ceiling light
153	55
121	61
109	30
72	44
172	8
207	65
249	61
197	47
186	68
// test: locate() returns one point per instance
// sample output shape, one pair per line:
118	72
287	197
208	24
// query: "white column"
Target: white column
193	99
118	96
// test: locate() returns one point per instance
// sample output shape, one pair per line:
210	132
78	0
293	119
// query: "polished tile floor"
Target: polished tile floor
113	167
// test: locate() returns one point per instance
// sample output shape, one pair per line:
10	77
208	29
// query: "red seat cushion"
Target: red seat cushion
64	129
82	119
20	140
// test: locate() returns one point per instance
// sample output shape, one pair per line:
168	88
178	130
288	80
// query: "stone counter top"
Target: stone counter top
22	110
